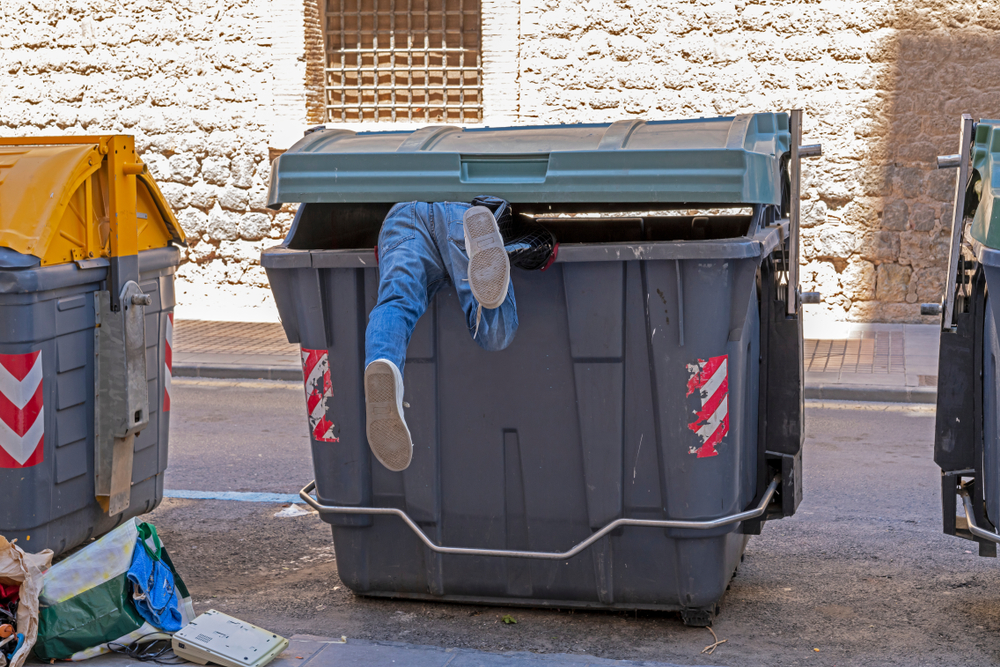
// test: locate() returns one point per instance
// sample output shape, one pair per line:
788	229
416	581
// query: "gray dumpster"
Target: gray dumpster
87	257
967	434
646	419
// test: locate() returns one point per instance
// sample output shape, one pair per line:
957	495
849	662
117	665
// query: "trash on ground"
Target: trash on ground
115	594
227	641
292	510
20	582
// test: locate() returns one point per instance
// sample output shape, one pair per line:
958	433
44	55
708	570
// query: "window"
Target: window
403	60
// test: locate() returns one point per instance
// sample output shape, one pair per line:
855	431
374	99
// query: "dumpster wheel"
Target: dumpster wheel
700	618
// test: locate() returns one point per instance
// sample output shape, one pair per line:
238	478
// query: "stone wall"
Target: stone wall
882	84
203	86
210	87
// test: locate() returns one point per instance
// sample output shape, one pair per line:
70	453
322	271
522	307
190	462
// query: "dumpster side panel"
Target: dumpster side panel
954	447
991	391
991	432
534	447
57	481
52	501
337	329
511	459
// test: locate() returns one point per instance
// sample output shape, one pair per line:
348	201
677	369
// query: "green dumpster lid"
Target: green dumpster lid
985	158
732	160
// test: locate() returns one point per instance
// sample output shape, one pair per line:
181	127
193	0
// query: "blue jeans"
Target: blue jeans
421	248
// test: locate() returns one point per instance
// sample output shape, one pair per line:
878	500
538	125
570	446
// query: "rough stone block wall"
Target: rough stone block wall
193	82
882	84
315	62
211	88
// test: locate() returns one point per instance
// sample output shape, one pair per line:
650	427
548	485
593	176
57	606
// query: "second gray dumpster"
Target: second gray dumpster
647	417
967	433
88	251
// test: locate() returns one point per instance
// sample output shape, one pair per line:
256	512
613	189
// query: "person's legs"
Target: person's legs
496	326
410	271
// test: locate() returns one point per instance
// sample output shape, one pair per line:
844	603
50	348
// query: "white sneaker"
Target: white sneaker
489	268
386	429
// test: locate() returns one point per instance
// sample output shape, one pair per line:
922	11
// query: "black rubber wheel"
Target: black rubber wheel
700	618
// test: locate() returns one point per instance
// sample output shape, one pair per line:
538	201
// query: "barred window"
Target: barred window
403	60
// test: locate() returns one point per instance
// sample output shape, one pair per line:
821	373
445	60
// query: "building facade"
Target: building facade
214	89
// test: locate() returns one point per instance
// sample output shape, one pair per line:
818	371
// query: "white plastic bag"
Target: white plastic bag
25	570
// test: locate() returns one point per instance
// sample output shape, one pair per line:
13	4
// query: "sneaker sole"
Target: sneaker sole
489	268
388	436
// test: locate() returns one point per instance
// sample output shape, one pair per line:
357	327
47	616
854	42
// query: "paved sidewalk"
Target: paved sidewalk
243	350
860	362
309	651
873	362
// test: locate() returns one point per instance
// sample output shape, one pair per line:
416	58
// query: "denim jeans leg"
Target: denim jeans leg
409	264
497	326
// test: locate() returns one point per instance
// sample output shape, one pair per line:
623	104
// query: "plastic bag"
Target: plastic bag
87	600
154	589
25	570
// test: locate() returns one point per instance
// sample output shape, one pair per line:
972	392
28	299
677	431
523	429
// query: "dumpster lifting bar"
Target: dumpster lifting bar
971	520
548	555
962	160
796	153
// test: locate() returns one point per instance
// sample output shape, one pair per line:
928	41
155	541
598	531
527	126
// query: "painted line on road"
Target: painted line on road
241	496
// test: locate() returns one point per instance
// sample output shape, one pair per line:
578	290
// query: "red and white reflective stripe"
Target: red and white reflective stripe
711	380
168	362
319	389
22	414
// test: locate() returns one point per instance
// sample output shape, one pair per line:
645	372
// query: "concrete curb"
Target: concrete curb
222	371
875	393
830	392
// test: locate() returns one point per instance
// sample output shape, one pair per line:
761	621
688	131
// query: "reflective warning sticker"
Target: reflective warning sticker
710	379
319	389
22	415
168	363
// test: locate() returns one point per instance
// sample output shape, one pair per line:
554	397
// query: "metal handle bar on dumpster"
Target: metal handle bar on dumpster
971	520
548	555
797	152
961	161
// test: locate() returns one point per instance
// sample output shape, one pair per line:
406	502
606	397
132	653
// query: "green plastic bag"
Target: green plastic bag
86	600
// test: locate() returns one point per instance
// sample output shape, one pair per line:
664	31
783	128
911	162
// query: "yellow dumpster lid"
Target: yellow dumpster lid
55	205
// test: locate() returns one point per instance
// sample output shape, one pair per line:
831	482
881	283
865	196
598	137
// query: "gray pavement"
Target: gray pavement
862	572
861	362
238	436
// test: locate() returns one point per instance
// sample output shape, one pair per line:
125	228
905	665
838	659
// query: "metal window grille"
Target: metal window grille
403	60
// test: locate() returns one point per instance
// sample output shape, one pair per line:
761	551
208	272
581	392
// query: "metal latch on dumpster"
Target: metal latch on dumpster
122	405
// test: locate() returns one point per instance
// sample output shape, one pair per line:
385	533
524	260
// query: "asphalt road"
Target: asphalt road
238	436
862	572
